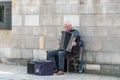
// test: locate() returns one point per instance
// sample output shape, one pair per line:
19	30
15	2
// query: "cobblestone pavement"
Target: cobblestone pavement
13	72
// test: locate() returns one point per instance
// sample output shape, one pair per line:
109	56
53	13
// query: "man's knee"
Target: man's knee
61	53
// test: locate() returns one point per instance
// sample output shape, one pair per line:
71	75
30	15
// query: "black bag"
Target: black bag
43	67
30	67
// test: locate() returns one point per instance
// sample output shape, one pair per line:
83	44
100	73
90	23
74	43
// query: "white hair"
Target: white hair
68	22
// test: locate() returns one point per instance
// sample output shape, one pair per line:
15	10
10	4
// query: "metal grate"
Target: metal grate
5	15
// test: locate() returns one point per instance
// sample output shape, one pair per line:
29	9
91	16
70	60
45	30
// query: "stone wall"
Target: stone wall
36	25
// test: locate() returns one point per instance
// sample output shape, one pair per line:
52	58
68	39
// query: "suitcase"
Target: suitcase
30	67
43	67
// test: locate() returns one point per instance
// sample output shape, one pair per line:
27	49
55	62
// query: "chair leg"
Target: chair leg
68	64
75	65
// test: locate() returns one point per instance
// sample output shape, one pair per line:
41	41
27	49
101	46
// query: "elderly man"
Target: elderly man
58	56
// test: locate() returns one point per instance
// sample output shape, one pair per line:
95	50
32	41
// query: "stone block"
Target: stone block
17	20
16	53
40	31
74	1
101	1
89	57
111	44
32	42
104	57
87	20
43	9
4	38
61	1
94	31
17	10
28	2
22	30
51	9
31	10
74	19
16	42
36	2
92	67
50	42
115	58
116	20
103	20
22	2
39	54
63	9
51	31
67	1
110	70
41	42
50	20
27	54
112	8
49	1
77	9
31	20
115	32
93	44
5	52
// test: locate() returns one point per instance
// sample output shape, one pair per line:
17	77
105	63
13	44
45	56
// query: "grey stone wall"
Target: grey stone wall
36	25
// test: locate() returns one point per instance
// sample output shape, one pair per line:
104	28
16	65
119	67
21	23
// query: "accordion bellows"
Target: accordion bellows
66	40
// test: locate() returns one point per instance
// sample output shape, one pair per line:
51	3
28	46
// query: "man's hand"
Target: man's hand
74	43
58	42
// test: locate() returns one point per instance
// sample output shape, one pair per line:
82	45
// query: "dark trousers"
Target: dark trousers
58	58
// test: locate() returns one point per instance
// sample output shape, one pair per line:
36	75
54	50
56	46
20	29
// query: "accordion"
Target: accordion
66	40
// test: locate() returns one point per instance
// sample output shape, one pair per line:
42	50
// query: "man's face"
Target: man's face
67	27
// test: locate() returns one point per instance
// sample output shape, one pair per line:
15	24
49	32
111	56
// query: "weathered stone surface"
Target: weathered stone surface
22	30
31	20
5	52
17	10
96	20
87	20
115	32
40	31
103	20
93	44
116	20
63	9
50	42
94	31
16	42
16	53
92	67
90	57
17	20
110	69
111	44
37	24
43	9
67	1
49	1
27	53
51	31
115	58
32	42
31	10
104	57
50	20
39	54
41	42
